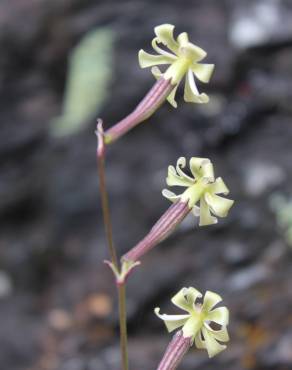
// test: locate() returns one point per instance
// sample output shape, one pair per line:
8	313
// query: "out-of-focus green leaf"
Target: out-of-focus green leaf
283	211
90	69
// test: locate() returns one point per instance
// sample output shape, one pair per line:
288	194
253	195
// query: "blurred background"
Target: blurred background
62	64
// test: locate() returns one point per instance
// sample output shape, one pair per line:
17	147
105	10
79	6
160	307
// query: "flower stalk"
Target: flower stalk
175	352
151	102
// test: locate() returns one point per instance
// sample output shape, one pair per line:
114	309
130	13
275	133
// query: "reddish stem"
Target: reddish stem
175	352
162	228
151	102
100	154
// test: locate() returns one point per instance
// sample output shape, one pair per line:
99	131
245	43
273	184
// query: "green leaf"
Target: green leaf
89	74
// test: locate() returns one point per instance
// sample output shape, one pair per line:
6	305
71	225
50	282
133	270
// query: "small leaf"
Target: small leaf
89	73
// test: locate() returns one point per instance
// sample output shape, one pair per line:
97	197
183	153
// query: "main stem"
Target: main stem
123	325
105	209
112	251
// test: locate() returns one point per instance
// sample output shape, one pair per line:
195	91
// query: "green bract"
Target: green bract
183	59
202	187
196	323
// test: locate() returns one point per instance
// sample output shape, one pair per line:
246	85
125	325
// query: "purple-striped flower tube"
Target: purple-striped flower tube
197	326
201	187
183	59
151	102
175	352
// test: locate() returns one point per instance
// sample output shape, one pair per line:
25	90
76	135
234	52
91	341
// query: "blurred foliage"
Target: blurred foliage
283	211
89	74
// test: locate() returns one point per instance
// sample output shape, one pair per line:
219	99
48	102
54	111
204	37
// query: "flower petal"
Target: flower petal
210	300
205	216
188	49
196	211
212	346
170	195
149	60
171	97
203	71
164	33
221	335
218	187
181	163
160	51
200	344
186	298
192	327
183	39
219	206
220	315
172	322
173	179
192	295
191	93
156	72
202	167
191	51
181	301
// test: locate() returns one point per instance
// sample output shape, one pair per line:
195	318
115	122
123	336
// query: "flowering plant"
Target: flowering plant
196	323
201	195
184	58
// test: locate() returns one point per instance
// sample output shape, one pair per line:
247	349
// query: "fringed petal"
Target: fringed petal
205	216
186	298
219	315
219	206
183	39
154	42
181	163
191	51
192	326
221	335
210	300
173	179
181	301
191	93
212	346
203	71
218	187
202	167
199	343
171	97
164	33
196	211
170	195
148	60
171	322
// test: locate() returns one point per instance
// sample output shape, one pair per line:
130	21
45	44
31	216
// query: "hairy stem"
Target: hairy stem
123	325
175	352
151	102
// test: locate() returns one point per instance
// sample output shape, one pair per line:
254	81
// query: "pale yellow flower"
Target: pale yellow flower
184	58
202	188
197	322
